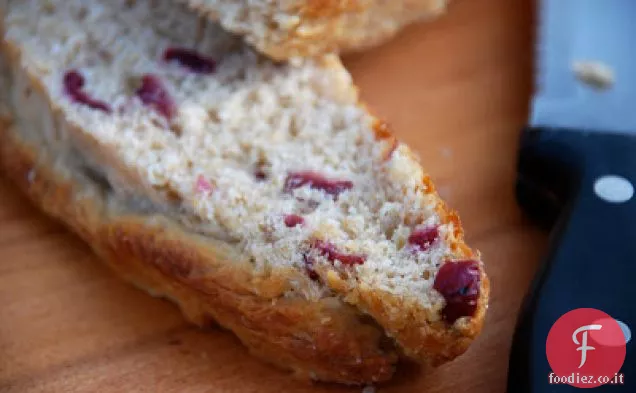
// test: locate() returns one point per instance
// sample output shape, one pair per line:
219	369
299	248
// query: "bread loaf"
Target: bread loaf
259	196
283	29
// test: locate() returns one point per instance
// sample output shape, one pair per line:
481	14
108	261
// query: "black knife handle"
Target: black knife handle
592	257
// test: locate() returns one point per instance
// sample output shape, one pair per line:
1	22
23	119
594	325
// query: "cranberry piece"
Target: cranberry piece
309	266
422	239
291	220
316	181
191	60
260	172
458	282
329	251
154	94
203	186
260	175
74	87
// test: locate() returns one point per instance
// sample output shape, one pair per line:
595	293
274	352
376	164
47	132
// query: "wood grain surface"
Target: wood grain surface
455	89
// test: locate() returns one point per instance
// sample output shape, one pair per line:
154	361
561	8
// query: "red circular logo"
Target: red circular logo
585	348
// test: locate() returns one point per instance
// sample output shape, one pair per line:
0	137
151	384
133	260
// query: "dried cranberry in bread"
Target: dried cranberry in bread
283	29
259	195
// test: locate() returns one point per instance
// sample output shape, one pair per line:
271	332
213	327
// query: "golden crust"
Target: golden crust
420	333
323	340
325	26
329	8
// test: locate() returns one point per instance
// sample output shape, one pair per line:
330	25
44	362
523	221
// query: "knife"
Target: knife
576	176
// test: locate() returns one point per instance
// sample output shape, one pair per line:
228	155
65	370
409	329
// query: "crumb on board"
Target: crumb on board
369	389
593	73
31	176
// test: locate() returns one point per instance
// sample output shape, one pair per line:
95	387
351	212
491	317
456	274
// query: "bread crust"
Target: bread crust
323	340
420	333
153	253
322	26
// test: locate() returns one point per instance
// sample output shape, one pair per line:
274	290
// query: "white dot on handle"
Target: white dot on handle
613	189
626	331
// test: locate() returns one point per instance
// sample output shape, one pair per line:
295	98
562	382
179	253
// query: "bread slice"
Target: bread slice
258	195
283	29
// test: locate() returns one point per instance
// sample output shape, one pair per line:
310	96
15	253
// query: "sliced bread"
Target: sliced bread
283	29
261	196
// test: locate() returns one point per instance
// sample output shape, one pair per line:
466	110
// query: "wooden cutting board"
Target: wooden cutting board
455	89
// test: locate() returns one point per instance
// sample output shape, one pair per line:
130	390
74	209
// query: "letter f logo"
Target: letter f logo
584	347
599	333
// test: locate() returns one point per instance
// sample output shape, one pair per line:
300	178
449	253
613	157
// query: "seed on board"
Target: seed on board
595	74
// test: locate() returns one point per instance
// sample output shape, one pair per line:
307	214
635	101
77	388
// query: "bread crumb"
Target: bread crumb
446	152
369	389
280	119
595	74
31	176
